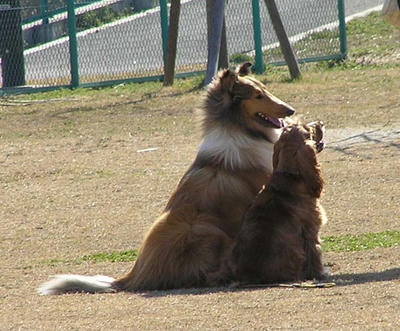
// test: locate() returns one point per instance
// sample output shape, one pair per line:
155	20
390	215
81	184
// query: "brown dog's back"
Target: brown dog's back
278	240
266	250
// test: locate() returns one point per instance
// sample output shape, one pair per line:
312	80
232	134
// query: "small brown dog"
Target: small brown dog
278	240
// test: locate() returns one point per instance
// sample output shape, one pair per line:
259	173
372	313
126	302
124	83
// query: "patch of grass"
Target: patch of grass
99	17
54	262
372	25
360	242
123	256
189	83
238	58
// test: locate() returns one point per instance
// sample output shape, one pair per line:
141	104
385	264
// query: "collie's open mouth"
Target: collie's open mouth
270	121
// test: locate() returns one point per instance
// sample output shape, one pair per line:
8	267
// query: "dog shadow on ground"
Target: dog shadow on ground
339	280
367	277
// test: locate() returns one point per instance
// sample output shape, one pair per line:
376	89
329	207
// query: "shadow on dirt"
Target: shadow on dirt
340	280
375	139
367	277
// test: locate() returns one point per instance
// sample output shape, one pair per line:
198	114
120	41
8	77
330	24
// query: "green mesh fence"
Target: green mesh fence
119	40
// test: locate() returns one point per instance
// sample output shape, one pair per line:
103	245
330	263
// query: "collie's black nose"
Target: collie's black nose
290	111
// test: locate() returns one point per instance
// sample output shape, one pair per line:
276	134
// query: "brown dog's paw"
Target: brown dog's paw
317	132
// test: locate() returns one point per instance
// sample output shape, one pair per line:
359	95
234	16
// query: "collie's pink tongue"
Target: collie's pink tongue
277	122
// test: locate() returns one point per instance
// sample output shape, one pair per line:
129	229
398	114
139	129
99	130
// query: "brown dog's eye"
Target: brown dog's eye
259	96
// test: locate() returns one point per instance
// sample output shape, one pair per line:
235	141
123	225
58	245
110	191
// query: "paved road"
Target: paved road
133	46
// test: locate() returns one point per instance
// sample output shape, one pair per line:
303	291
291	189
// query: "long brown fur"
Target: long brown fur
278	240
190	244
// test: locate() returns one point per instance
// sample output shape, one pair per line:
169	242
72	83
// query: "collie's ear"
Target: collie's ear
244	69
310	169
227	79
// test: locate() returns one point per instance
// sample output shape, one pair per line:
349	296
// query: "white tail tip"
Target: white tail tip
77	283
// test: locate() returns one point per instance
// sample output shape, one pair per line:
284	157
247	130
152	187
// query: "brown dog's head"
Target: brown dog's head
295	154
235	98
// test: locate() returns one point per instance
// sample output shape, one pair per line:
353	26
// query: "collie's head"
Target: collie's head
295	154
236	100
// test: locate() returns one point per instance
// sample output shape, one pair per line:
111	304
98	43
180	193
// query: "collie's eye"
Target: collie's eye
259	96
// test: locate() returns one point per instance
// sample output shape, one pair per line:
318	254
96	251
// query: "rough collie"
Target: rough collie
190	244
278	240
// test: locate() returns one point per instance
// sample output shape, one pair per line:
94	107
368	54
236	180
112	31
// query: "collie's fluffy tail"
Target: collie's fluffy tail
76	283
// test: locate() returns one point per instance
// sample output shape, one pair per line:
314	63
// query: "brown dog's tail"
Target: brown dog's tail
61	284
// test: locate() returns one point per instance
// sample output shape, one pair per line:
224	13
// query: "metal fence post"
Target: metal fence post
259	64
214	43
11	44
164	27
73	44
44	9
342	29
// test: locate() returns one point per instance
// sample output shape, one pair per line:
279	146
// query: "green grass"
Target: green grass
123	256
342	243
239	58
360	242
100	17
372	25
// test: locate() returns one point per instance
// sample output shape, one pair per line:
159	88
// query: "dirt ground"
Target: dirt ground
73	181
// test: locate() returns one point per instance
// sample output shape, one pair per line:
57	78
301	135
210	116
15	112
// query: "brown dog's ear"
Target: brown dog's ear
275	156
228	78
244	69
310	169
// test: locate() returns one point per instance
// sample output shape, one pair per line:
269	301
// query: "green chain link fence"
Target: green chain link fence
47	44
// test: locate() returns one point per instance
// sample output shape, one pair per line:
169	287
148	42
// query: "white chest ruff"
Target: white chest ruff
237	150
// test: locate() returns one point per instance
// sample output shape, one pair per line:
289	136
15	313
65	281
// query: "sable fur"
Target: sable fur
190	244
278	240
